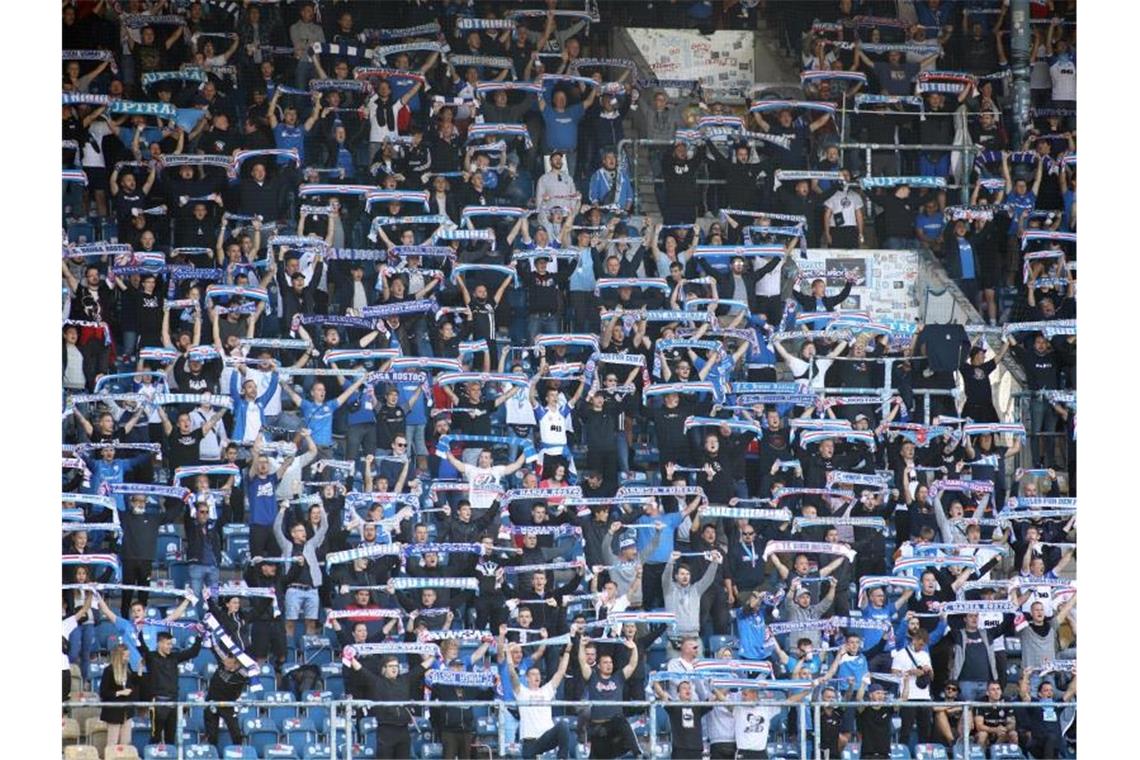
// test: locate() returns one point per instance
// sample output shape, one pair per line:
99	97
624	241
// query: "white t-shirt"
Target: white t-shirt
1063	75
519	410
769	284
93	147
843	206
552	425
752	723
483	482
534	721
799	369
901	661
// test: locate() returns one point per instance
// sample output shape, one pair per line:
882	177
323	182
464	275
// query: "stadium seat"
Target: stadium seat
851	751
160	752
140	733
84	711
121	752
71	733
242	752
201	752
80	752
280	752
316	708
928	752
167	549
260	732
1006	752
430	751
278	713
976	753
316	752
299	733
317	650
717	642
663	750
188	683
95	733
902	752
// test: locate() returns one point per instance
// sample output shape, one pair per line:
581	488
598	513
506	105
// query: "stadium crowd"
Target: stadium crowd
378	385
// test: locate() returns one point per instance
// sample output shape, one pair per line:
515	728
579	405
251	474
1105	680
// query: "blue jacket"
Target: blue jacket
600	187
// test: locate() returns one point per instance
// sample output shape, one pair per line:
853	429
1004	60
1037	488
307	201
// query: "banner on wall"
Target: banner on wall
721	61
885	280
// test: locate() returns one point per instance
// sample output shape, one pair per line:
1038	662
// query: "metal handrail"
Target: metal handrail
346	708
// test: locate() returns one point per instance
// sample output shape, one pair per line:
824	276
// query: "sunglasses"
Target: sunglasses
398	445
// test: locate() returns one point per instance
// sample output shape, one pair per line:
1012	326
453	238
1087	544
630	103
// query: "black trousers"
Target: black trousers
722	751
922	718
213	718
136	572
652	594
163	724
456	745
261	541
268	636
845	237
612	738
395	743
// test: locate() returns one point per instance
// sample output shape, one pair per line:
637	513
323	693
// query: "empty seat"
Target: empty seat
160	752
902	752
260	733
121	752
926	752
201	752
80	752
1006	752
242	752
70	731
95	733
280	752
299	733
316	752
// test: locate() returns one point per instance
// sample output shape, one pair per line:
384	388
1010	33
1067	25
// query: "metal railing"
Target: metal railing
344	712
968	152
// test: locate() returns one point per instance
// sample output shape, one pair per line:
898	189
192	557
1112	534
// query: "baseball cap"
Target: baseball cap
862	417
627	543
803	590
875	686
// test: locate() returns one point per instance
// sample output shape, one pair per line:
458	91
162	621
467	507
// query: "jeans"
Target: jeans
202	575
1042	419
80	645
303	73
972	691
130	342
901	243
541	324
559	737
361	439
510	726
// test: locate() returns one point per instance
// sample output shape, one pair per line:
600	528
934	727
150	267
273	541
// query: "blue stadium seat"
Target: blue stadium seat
902	752
243	752
317	650
717	642
662	751
280	752
140	734
851	751
167	549
429	751
280	713
81	232
299	733
260	733
201	752
179	573
927	752
783	750
316	706
1006	752
486	727
188	682
160	752
315	752
976	753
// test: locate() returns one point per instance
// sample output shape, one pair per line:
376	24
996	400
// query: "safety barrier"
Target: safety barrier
343	713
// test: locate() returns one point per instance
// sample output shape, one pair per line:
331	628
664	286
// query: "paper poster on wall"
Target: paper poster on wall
721	61
838	270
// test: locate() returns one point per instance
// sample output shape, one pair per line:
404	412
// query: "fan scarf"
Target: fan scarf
807	547
463	584
740	513
485	679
